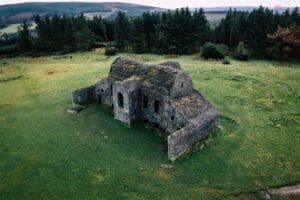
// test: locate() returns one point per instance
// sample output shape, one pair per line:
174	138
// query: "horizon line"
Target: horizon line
92	2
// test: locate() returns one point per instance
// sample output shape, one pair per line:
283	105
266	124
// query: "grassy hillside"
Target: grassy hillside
47	153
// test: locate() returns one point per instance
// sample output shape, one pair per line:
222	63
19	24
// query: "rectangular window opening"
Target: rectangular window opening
145	102
172	117
156	106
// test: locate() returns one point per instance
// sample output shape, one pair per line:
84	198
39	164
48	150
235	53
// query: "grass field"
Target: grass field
13	28
47	153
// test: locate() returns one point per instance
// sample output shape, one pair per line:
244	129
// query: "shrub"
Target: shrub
226	61
223	48
110	51
8	49
211	50
241	52
284	43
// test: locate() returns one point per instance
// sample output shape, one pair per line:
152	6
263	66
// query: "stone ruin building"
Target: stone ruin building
162	95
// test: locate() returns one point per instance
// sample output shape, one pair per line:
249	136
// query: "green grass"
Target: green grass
47	153
13	28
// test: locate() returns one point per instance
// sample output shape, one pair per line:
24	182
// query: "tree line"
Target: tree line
172	32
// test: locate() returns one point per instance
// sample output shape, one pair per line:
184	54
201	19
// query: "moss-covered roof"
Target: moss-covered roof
160	76
196	104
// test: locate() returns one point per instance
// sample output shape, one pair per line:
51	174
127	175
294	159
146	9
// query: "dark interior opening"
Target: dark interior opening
111	90
172	117
99	99
182	85
156	106
120	100
145	102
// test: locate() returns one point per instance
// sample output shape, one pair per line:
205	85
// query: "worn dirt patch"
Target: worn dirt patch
165	171
289	190
56	70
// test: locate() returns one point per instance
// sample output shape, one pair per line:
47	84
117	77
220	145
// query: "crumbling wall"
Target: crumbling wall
129	90
183	139
103	92
168	118
183	85
83	96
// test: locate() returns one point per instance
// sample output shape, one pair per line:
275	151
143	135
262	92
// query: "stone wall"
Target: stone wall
83	96
183	139
183	85
129	90
168	118
103	92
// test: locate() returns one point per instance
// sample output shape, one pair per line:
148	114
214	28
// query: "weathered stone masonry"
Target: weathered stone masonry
161	94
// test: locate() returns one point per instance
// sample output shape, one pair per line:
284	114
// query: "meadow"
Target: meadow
47	153
13	28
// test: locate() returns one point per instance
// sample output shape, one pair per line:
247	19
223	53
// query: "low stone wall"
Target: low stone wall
83	96
183	139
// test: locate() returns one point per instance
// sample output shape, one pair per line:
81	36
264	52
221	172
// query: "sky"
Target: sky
183	3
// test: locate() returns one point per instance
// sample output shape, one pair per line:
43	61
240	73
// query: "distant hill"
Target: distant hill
238	8
16	13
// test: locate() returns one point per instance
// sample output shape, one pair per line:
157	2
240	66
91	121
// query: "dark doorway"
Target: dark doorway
120	100
156	106
145	101
99	99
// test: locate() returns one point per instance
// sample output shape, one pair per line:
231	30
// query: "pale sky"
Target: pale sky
182	3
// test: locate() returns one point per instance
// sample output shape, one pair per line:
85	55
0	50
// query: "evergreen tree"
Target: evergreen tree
122	32
138	36
25	43
85	38
295	16
260	23
171	32
200	27
97	26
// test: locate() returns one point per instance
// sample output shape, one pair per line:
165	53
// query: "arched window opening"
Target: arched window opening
120	100
145	101
181	85
156	106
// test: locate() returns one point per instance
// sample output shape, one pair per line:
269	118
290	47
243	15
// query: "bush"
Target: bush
8	49
211	50
110	51
226	61
284	43
223	48
241	52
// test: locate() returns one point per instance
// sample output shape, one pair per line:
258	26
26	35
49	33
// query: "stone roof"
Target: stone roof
196	104
161	76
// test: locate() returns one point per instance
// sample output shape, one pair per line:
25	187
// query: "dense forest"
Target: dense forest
262	33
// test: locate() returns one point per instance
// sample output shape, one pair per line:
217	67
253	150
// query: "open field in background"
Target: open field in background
211	16
13	28
47	153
